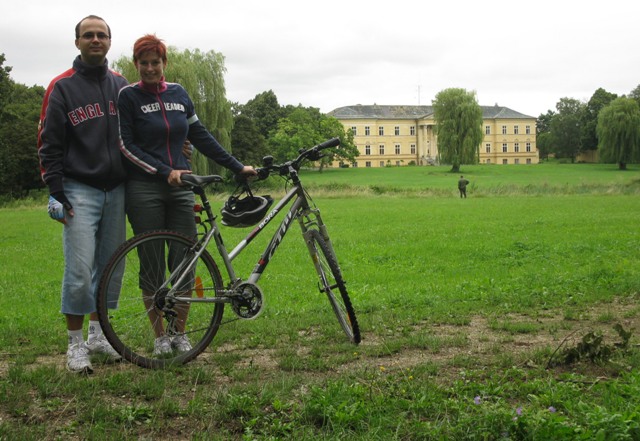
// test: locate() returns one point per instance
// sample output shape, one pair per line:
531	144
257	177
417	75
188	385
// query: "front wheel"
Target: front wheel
332	284
154	287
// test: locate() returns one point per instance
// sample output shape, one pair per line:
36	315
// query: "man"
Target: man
78	146
462	186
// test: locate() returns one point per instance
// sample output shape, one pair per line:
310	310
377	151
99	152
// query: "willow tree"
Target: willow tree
619	132
202	75
458	118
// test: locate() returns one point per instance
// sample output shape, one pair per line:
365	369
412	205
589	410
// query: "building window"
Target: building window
504	130
367	131
412	130
516	147
528	147
381	131
515	130
516	161
367	164
413	149
528	160
504	147
505	162
397	149
488	161
397	130
488	148
381	149
367	149
527	130
398	164
381	163
354	164
487	130
354	131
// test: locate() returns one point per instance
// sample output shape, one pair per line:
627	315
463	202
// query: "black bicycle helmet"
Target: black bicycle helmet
245	212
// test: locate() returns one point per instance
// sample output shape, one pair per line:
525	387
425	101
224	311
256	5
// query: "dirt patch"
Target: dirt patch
483	340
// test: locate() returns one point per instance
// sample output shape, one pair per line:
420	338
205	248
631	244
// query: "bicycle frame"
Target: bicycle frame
299	209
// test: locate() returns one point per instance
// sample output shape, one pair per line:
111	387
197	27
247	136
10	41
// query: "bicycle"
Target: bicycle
184	292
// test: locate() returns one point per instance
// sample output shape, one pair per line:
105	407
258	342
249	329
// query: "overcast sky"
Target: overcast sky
329	54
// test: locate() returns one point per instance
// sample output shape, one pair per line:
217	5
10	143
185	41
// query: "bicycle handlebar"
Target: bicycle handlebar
312	154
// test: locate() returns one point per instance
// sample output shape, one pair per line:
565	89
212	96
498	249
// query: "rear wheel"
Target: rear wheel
135	304
332	284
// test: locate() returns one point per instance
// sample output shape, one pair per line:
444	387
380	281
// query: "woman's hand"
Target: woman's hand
174	177
247	170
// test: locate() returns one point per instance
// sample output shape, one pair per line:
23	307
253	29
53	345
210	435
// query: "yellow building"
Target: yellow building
404	135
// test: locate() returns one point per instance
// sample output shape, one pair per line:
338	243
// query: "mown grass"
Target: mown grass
462	303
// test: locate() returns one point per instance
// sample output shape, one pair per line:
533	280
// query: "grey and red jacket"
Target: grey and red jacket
78	131
155	122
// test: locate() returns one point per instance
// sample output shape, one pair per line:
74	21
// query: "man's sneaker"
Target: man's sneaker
78	359
162	345
100	345
181	343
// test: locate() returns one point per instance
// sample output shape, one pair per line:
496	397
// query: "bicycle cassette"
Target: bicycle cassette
247	301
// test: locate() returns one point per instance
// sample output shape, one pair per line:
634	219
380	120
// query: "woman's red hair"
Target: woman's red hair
149	43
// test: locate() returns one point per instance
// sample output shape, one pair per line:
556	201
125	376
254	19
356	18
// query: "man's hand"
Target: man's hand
58	204
187	150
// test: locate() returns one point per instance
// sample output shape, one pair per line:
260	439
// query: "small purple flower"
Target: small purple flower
477	400
519	410
552	409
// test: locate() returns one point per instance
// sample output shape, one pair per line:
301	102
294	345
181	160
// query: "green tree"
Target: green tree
306	127
265	112
248	144
598	100
566	128
635	94
19	115
544	141
619	132
6	83
543	123
202	75
458	118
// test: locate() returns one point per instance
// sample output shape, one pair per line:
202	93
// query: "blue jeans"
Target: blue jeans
90	238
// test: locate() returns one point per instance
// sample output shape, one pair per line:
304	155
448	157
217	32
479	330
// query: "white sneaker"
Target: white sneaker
100	345
181	343
78	359
162	345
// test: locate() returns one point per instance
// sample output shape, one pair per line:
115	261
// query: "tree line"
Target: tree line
606	123
261	126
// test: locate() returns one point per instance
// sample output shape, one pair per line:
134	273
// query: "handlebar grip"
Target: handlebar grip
333	142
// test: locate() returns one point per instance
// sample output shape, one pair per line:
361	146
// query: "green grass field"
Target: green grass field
487	318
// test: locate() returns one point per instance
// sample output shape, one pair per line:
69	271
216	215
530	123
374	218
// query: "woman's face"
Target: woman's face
150	68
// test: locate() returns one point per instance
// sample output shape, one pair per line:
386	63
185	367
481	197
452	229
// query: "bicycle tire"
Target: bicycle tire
330	276
125	318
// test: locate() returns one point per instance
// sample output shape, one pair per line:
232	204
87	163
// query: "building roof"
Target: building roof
376	111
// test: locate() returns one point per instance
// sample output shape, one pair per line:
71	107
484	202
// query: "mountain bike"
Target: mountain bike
166	280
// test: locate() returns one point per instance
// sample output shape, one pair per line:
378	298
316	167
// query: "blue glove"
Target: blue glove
56	207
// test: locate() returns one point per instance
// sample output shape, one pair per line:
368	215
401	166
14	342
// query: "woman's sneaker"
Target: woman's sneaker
100	345
162	345
181	343
78	359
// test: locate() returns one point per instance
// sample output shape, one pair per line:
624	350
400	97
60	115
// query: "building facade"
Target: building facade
405	135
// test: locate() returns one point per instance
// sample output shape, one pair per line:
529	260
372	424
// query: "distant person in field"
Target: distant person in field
462	186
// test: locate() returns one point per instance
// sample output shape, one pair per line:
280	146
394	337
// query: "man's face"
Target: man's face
94	41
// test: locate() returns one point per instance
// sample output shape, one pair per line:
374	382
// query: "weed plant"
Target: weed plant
462	304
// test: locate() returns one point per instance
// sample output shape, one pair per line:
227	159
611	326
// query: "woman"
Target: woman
156	119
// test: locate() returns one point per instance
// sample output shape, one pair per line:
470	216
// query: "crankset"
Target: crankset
247	301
